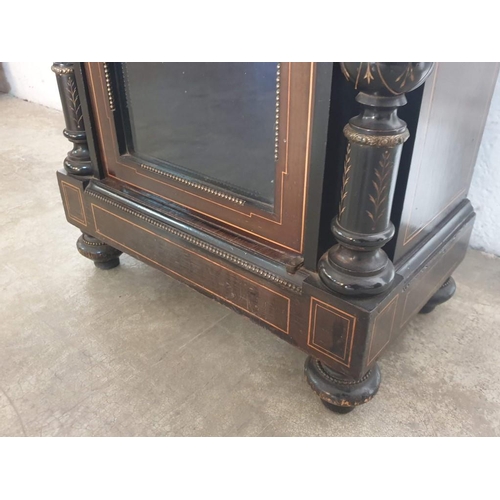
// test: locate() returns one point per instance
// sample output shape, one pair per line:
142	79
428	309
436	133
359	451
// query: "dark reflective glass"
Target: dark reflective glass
215	120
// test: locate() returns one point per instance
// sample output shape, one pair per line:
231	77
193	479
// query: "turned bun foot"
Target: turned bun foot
337	409
103	256
109	264
444	294
338	393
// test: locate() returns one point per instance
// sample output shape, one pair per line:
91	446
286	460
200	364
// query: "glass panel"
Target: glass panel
215	120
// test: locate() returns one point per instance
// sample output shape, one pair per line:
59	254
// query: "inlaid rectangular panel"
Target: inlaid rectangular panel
215	175
331	331
191	266
73	203
383	328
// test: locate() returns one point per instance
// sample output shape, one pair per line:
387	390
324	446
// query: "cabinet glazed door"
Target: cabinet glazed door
227	141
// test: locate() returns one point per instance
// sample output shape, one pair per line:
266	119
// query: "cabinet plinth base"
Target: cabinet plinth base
345	336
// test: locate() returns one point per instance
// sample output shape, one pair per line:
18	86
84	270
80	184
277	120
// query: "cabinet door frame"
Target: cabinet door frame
284	225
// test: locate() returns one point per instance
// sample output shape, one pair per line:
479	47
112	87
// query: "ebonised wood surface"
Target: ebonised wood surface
251	258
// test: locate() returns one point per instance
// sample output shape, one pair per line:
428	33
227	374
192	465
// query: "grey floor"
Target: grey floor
131	352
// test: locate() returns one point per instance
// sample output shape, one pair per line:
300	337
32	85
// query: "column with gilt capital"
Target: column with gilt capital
357	265
77	161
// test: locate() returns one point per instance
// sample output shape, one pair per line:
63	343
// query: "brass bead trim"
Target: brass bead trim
377	141
196	185
339	381
277	122
93	243
108	87
446	283
263	273
61	70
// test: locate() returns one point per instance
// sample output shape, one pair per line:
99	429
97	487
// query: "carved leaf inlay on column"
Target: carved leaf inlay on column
407	73
368	76
345	179
74	102
395	78
380	183
344	71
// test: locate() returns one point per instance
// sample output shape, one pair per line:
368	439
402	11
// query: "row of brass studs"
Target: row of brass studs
195	185
277	122
338	380
205	246
93	243
108	87
61	70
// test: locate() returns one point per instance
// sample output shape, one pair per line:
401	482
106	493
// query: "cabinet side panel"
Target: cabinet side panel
454	109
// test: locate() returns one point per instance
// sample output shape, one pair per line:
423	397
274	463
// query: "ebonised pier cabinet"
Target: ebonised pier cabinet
326	201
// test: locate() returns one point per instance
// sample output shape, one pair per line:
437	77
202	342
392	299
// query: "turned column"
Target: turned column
77	161
357	265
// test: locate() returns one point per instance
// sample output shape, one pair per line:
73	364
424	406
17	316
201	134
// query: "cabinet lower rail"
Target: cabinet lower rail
346	335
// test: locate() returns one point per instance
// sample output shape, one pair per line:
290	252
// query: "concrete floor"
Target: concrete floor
131	352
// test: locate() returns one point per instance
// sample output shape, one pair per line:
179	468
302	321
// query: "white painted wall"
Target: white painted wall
33	81
36	82
485	189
